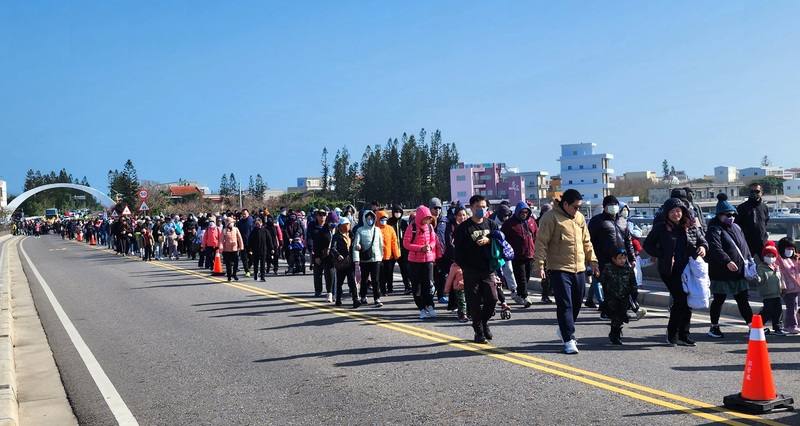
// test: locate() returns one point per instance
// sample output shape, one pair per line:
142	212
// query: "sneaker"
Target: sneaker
517	299
462	317
792	331
529	301
767	331
246	274
408	291
255	277
423	314
330	297
235	278
571	347
590	304
364	301
715	332
444	300
378	303
558	333
338	303
546	300
431	312
686	341
317	294
263	279
672	341
356	304
779	332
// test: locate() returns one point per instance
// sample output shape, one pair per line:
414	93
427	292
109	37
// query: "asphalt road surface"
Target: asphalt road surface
181	348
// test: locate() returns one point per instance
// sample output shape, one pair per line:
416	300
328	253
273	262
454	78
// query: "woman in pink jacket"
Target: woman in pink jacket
789	265
231	243
210	242
420	241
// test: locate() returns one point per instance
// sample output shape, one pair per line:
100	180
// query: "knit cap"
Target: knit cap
723	205
769	249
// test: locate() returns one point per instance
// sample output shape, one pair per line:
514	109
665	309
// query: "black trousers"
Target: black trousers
680	314
404	272
522	274
440	270
773	312
259	263
742	303
480	291
231	263
323	270
370	274
350	275
276	255
387	276
421	275
148	252
209	257
245	261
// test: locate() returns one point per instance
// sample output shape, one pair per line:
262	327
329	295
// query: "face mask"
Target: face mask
788	253
370	222
612	209
480	213
397	215
728	220
384	221
769	260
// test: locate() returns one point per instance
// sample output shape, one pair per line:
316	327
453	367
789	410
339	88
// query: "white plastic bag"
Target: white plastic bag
697	284
637	271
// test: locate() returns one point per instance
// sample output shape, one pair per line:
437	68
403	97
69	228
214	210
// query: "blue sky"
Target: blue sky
194	89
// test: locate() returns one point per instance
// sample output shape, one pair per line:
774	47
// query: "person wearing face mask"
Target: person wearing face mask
320	235
367	256
673	240
391	252
520	231
608	237
789	265
397	223
727	252
260	246
564	243
231	244
473	255
770	287
753	216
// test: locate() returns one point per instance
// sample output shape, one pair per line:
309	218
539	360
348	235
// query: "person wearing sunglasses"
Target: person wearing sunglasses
752	217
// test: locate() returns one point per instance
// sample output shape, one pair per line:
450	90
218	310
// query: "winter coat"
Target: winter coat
608	237
673	244
618	282
294	229
339	245
319	236
790	273
563	242
455	279
722	243
245	227
231	240
769	281
391	248
367	241
211	236
753	217
261	243
521	234
418	235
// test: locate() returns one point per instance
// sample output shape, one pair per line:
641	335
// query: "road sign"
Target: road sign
143	194
114	214
127	211
143	207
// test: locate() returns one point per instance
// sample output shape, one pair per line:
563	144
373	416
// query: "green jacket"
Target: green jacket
618	282
769	281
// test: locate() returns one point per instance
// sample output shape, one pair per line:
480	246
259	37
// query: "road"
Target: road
184	348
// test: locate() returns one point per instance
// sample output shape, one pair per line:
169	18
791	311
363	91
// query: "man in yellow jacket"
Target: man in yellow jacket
563	242
391	252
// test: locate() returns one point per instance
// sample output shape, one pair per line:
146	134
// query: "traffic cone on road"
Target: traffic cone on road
93	241
80	237
758	388
217	271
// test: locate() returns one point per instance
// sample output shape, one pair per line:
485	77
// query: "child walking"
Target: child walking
455	284
619	282
770	286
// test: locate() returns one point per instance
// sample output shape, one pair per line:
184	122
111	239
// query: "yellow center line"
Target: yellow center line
551	367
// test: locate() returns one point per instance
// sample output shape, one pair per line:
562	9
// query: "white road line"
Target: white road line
115	403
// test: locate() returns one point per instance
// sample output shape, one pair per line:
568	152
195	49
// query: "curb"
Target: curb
662	299
9	407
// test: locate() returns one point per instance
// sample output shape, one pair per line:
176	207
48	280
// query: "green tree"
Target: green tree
325	170
224	187
251	187
665	168
261	187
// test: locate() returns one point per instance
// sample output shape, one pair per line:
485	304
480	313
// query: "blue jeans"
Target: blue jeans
596	292
568	290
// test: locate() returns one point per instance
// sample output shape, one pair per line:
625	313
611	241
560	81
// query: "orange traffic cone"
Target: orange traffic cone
80	237
758	388
93	241
217	271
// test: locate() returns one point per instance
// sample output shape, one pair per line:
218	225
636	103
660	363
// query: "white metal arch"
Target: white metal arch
104	199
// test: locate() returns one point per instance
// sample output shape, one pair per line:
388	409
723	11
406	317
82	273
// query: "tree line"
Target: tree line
405	171
62	199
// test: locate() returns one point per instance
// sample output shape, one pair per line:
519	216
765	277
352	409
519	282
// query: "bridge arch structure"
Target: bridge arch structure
104	199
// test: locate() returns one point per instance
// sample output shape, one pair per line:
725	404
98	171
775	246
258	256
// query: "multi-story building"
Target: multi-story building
645	175
305	184
536	183
726	174
702	191
791	188
491	180
755	173
586	171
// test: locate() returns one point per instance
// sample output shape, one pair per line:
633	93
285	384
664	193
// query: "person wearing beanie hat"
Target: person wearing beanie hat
770	287
727	254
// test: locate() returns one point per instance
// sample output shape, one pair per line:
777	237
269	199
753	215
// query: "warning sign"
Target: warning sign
143	207
114	214
127	211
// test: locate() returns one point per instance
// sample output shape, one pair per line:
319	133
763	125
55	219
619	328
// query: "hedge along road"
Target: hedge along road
541	386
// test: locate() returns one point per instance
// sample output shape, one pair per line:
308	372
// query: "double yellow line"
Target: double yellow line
621	387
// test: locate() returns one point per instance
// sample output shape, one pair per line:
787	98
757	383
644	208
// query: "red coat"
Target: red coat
522	236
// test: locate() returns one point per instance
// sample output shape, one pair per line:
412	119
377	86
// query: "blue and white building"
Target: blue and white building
586	171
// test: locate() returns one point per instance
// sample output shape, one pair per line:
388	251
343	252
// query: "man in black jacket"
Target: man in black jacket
319	239
606	234
261	246
753	216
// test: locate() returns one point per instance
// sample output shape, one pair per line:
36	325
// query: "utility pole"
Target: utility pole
240	197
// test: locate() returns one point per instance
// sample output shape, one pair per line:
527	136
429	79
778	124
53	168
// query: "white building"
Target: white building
305	184
645	175
754	173
536	183
586	171
791	188
3	194
725	174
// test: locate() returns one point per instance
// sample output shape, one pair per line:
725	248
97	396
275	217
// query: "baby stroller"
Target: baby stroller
297	260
